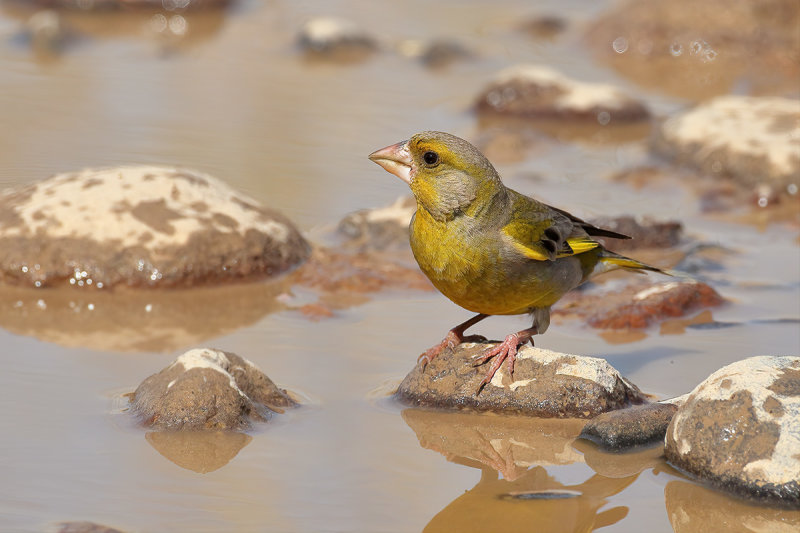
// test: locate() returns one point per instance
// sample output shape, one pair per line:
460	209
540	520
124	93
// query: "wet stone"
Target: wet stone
545	26
143	227
545	384
539	92
379	229
753	140
335	39
435	54
637	305
645	232
740	430
634	426
208	389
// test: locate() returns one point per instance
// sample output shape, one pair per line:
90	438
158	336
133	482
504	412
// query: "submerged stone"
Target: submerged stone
208	389
545	384
140	226
740	430
536	91
753	140
634	426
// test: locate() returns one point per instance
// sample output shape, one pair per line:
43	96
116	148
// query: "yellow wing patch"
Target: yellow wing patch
579	245
528	252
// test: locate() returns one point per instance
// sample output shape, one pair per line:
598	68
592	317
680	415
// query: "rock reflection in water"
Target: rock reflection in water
516	491
199	451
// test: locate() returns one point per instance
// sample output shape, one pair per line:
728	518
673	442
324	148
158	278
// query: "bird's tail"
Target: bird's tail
613	261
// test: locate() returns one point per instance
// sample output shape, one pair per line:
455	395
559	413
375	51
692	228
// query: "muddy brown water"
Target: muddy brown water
235	99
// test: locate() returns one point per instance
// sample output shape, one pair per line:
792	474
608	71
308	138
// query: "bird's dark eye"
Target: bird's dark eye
430	158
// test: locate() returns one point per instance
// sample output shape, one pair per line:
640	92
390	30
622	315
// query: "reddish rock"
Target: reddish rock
638	305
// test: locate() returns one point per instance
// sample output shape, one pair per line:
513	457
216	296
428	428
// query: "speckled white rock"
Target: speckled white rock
331	35
207	389
141	226
740	429
545	383
752	139
536	91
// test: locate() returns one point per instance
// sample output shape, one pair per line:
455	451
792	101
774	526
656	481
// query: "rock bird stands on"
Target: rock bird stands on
488	248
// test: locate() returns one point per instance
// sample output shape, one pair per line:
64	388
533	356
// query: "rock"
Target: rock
545	26
140	226
539	92
637	304
381	228
335	38
342	274
699	51
753	140
634	426
545	384
740	430
644	232
85	527
46	32
198	451
208	389
435	54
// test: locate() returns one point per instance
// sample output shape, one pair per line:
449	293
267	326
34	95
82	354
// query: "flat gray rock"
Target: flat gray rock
140	226
753	140
545	384
208	389
634	426
740	429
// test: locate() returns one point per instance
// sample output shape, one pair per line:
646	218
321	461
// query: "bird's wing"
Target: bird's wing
544	233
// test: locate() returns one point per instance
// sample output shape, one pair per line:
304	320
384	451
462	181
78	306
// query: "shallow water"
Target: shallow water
237	100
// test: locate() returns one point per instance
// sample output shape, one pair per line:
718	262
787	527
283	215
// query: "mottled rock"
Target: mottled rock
380	228
208	389
634	426
335	38
740	429
539	92
645	232
753	140
545	384
435	54
85	527
140	226
701	50
637	304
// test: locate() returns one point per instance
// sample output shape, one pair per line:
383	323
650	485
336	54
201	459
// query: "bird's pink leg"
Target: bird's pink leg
453	338
505	350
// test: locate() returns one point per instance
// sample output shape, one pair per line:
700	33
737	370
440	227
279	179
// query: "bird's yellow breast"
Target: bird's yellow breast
479	271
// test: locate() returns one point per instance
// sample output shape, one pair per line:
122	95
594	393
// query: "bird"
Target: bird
489	248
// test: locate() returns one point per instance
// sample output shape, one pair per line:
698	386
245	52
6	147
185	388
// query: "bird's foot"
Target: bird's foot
451	340
506	350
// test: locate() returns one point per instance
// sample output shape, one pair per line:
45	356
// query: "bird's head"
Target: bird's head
446	173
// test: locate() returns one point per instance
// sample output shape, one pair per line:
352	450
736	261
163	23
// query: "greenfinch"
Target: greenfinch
488	248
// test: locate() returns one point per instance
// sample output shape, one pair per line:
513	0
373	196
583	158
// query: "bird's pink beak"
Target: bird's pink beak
395	159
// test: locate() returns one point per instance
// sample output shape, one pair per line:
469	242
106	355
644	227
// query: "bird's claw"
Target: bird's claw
506	350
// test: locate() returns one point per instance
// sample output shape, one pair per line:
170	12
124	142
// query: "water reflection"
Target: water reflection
199	451
516	490
136	321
